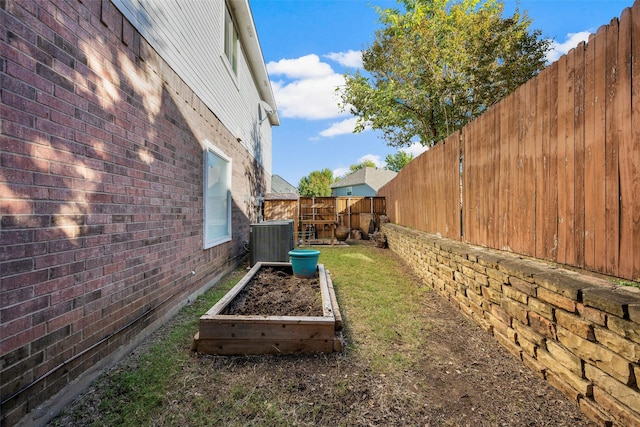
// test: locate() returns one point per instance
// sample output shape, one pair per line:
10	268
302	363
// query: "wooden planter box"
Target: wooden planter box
225	334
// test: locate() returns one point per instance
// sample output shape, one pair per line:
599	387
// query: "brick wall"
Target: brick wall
579	332
100	196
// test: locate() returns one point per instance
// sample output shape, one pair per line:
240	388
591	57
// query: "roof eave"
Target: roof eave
249	38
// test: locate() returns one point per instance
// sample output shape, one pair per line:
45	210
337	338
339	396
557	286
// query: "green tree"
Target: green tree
362	165
397	161
317	184
438	65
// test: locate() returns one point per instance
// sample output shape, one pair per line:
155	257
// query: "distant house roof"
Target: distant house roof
281	190
374	178
281	196
280	185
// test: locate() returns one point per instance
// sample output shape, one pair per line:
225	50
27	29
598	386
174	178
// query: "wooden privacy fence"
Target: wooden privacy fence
352	212
552	171
425	195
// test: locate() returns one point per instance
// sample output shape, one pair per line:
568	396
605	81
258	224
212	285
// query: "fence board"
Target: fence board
435	187
570	161
452	162
467	205
519	212
464	190
490	177
502	110
484	136
426	186
552	184
635	158
541	167
522	177
512	123
623	107
468	175
578	235
480	141
590	115
529	188
442	189
443	197
612	124
599	149
563	112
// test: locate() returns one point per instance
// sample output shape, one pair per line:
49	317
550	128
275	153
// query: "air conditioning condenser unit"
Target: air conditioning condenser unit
271	241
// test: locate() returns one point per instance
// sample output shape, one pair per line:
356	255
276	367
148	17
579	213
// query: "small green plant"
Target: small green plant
622	282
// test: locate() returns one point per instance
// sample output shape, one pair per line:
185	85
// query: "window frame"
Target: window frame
230	41
208	239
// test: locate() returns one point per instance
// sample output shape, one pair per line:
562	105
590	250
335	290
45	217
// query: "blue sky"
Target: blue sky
309	44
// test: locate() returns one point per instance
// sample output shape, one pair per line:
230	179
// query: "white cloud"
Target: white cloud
572	40
307	89
340	128
374	158
415	149
350	58
312	98
340	172
305	67
344	171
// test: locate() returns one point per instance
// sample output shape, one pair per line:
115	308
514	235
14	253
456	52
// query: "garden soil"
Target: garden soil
275	291
464	379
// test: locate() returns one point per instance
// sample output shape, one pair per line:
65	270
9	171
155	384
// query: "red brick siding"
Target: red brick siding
100	192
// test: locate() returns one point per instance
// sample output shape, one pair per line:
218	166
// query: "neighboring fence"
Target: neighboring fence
352	212
552	171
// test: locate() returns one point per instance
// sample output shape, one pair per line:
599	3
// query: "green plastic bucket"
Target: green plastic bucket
304	262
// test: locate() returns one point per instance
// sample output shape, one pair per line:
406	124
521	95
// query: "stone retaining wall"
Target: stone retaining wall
580	333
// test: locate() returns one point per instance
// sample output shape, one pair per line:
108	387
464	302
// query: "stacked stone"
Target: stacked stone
579	332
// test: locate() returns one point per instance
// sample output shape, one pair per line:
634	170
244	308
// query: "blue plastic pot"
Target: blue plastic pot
304	262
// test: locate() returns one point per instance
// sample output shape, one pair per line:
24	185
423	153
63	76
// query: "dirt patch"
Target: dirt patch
275	291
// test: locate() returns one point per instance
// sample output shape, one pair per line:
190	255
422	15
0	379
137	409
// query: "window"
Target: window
230	42
349	191
217	197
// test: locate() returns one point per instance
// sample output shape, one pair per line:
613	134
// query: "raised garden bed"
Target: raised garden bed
317	330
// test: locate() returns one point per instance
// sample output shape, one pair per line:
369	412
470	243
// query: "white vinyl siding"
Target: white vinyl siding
190	36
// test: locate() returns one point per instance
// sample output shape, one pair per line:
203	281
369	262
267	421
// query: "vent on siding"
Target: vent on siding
271	241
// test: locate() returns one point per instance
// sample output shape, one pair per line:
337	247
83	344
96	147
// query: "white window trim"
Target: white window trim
230	35
209	242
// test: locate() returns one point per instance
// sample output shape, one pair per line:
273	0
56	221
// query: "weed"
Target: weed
630	283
